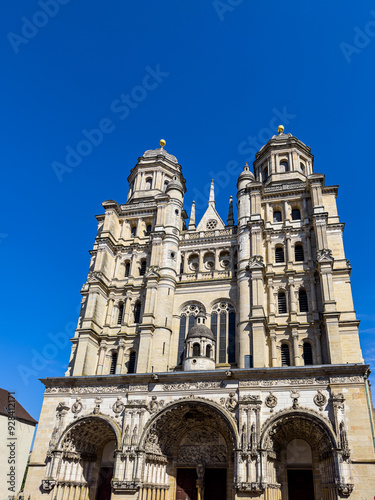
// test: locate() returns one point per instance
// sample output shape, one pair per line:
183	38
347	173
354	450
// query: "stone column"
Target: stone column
296	353
273	348
120	356
103	348
108	319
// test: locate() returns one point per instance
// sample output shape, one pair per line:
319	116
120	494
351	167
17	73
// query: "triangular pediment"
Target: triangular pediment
211	220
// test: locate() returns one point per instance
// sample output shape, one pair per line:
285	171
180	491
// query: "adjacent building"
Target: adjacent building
213	360
16	434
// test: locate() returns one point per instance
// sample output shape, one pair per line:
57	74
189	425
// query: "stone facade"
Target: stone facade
269	383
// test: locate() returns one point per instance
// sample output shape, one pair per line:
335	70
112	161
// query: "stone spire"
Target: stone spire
211	201
230	220
192	218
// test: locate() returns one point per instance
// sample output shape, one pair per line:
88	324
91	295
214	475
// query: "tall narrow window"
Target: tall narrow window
208	351
133	231
148	229
187	321
265	174
127	269
223	326
232	338
132	359
181	340
142	269
285	356
307	353
298	253
296	214
302	299
120	313
279	254
223	338
165	185
112	370
277	217
281	300
148	183
137	313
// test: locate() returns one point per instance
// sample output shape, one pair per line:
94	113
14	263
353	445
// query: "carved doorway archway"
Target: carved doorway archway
192	437
81	464
323	470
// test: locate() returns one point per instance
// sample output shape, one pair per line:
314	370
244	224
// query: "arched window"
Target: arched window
285	356
302	299
298	253
131	364
196	350
223	326
120	313
296	214
281	301
208	351
307	353
133	231
142	269
279	254
187	321
277	217
112	370
148	183
137	312
127	269
284	166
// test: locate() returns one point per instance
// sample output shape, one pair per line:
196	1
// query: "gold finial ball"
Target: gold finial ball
280	129
162	143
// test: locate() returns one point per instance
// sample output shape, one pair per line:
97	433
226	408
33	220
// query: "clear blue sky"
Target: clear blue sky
220	72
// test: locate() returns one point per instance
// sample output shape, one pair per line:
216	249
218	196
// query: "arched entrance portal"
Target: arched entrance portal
196	441
302	457
82	463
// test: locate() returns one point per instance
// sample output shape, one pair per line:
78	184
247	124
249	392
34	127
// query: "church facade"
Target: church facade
213	360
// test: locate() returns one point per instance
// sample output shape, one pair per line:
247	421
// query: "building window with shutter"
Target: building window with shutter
302	299
131	363
142	269
298	253
285	355
137	312
307	353
112	369
281	301
120	313
279	254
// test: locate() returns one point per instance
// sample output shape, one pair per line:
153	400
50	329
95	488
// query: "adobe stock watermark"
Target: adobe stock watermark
362	38
50	351
121	107
246	148
30	27
223	6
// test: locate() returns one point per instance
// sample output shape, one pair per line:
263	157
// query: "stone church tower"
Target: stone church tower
213	360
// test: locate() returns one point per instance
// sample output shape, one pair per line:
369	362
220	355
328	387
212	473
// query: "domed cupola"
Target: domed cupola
283	159
200	346
245	177
153	173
